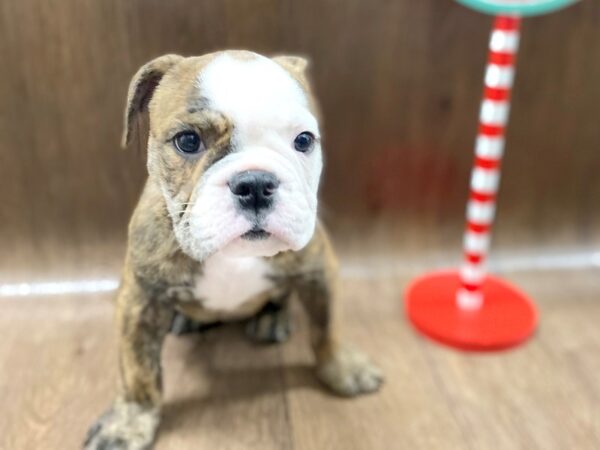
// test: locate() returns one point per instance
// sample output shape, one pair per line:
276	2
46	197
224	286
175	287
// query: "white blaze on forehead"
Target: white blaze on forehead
255	94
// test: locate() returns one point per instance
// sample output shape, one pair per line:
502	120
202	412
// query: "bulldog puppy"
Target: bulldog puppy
226	227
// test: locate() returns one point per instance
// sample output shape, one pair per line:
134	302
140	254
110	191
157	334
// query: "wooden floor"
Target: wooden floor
57	360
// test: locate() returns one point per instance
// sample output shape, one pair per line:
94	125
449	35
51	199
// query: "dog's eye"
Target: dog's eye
188	142
304	141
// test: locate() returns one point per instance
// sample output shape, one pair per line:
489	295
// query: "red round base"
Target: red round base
507	318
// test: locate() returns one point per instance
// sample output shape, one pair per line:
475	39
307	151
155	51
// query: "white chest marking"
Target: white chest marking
227	282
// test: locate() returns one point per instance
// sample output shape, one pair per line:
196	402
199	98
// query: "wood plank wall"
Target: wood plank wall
399	82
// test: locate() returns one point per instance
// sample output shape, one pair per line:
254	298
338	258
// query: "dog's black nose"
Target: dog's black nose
254	189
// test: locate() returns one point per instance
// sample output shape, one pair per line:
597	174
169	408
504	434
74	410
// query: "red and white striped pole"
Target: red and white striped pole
485	176
469	308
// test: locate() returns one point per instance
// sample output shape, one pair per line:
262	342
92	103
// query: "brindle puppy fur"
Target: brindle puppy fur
158	276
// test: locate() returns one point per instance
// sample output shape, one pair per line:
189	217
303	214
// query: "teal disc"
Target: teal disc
516	7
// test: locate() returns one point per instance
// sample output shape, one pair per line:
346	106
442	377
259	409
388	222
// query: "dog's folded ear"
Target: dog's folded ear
141	88
294	64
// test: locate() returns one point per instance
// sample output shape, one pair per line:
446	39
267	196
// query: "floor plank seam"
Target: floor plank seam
286	402
438	381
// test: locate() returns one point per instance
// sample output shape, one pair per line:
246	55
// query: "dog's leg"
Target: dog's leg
345	370
272	323
131	423
183	325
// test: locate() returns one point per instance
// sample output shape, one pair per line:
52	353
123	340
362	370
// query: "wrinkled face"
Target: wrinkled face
235	148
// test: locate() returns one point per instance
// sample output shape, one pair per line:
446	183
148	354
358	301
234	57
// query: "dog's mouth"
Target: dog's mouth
256	234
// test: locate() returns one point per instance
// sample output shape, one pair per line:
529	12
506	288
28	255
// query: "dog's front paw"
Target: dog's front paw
270	325
126	426
348	372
